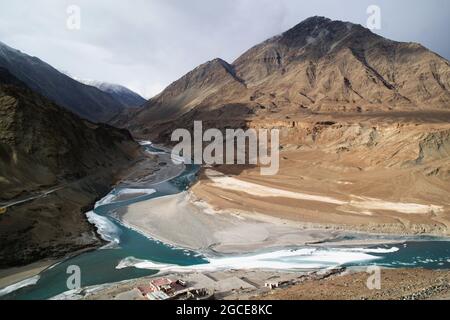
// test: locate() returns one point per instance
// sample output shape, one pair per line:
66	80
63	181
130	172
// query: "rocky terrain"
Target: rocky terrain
335	284
362	119
122	94
319	66
53	166
399	284
86	101
383	175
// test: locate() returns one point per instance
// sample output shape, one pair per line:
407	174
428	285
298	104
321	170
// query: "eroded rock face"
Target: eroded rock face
44	148
360	117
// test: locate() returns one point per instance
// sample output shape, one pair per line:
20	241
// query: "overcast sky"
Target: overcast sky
147	44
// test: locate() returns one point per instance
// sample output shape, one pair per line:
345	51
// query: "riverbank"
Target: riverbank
399	284
149	168
396	284
233	209
230	239
321	194
12	276
182	221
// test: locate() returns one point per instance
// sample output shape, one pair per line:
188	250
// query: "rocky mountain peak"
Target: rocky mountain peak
310	24
85	101
319	65
323	33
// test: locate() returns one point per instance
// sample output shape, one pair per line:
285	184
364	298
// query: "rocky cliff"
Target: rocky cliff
62	161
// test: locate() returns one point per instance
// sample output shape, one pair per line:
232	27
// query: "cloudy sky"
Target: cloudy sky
147	44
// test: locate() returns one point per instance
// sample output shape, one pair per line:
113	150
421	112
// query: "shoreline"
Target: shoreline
188	223
15	275
207	233
217	233
347	284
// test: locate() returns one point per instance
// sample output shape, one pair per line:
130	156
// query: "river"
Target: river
144	256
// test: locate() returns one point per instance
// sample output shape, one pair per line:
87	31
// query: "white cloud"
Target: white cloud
148	44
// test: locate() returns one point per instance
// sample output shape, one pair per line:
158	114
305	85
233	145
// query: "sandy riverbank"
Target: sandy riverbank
235	213
14	275
156	169
182	221
327	196
148	170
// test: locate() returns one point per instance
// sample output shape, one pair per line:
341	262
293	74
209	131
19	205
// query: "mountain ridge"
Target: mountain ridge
124	95
318	65
49	151
86	101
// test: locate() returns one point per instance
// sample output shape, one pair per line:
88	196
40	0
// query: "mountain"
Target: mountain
62	162
318	66
120	93
360	117
85	101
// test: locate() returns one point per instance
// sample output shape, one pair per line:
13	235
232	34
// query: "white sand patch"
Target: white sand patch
112	196
136	191
106	200
345	183
155	153
222	181
411	208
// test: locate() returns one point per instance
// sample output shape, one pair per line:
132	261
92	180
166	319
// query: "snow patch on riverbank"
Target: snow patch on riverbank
112	196
376	250
107	230
22	284
300	259
155	153
142	264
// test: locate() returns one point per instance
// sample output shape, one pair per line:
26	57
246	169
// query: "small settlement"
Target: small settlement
167	289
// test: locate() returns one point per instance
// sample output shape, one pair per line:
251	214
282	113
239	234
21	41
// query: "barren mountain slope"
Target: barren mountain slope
65	162
320	65
364	122
380	175
86	101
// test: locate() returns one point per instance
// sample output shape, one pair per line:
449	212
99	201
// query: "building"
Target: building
162	289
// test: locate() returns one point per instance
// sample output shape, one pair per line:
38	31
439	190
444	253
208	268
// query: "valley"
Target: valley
87	176
348	160
136	252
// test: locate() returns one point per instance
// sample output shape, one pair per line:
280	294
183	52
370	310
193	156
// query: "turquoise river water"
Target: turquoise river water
99	266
